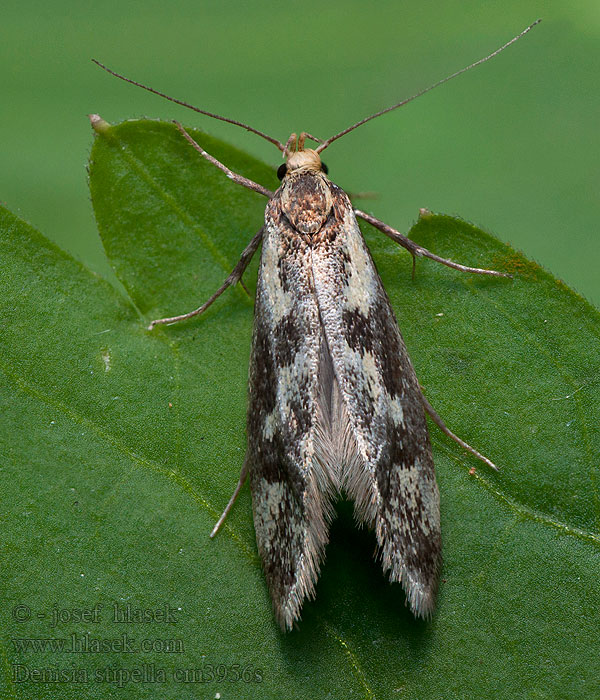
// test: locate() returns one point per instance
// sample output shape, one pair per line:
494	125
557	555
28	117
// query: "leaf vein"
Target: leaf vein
171	475
520	508
173	203
352	660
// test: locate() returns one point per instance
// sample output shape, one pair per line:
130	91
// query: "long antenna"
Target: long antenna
330	140
274	141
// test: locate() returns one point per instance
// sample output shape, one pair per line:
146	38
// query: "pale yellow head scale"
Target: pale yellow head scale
300	159
304	160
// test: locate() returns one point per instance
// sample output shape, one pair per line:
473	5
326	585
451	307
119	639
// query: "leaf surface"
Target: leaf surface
120	447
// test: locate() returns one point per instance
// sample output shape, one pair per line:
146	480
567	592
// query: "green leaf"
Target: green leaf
120	447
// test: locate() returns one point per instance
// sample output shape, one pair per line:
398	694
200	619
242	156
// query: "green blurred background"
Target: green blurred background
512	146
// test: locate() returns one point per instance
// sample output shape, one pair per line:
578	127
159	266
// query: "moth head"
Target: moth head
300	159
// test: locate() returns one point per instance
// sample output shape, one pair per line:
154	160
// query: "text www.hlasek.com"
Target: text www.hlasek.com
87	644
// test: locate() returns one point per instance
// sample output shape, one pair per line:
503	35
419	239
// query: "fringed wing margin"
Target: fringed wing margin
390	474
291	489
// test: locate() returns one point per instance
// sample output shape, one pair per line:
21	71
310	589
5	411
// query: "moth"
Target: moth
334	403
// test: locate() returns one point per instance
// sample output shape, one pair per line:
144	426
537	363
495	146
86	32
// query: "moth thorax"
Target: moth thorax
304	160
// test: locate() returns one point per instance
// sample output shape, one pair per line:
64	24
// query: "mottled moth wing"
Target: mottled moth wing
393	480
334	403
291	494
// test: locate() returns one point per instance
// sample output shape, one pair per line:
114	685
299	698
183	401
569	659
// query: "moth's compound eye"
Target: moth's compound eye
281	171
324	168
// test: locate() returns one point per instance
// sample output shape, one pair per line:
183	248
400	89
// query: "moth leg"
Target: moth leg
417	250
234	278
239	179
442	426
368	194
238	488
